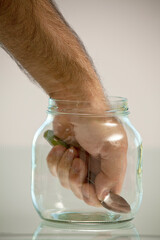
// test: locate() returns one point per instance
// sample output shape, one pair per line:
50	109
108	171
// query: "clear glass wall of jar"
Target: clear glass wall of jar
58	194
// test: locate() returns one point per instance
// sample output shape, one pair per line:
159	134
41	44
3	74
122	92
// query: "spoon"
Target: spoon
116	203
112	201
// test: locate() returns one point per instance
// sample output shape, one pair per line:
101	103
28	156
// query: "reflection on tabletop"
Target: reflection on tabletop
65	231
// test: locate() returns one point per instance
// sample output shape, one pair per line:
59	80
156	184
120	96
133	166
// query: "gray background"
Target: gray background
123	38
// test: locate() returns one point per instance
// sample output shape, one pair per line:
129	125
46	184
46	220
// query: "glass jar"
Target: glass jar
78	155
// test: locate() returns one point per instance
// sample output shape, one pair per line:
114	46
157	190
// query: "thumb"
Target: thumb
103	185
108	198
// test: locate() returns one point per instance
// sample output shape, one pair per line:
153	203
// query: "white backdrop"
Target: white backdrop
123	38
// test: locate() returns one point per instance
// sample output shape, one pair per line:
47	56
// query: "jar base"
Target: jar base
86	217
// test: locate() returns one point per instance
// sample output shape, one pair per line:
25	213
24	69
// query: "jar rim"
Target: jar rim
119	105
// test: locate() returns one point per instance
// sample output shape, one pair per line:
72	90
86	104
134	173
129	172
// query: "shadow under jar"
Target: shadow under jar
87	166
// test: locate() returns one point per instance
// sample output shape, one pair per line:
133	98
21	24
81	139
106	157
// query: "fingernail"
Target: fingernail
70	150
104	195
69	153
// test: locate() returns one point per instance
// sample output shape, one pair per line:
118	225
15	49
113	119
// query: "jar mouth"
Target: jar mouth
118	105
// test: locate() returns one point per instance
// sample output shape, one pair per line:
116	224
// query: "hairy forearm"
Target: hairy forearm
38	37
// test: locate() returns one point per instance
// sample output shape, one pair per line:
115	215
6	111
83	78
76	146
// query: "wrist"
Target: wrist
81	100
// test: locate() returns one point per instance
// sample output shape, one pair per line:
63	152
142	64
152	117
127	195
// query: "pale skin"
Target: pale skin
37	36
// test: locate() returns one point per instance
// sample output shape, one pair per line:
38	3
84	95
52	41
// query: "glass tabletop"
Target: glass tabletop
67	231
75	237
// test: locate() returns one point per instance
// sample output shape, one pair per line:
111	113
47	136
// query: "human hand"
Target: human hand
99	147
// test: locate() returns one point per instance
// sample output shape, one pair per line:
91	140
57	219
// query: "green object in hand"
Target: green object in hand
54	140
